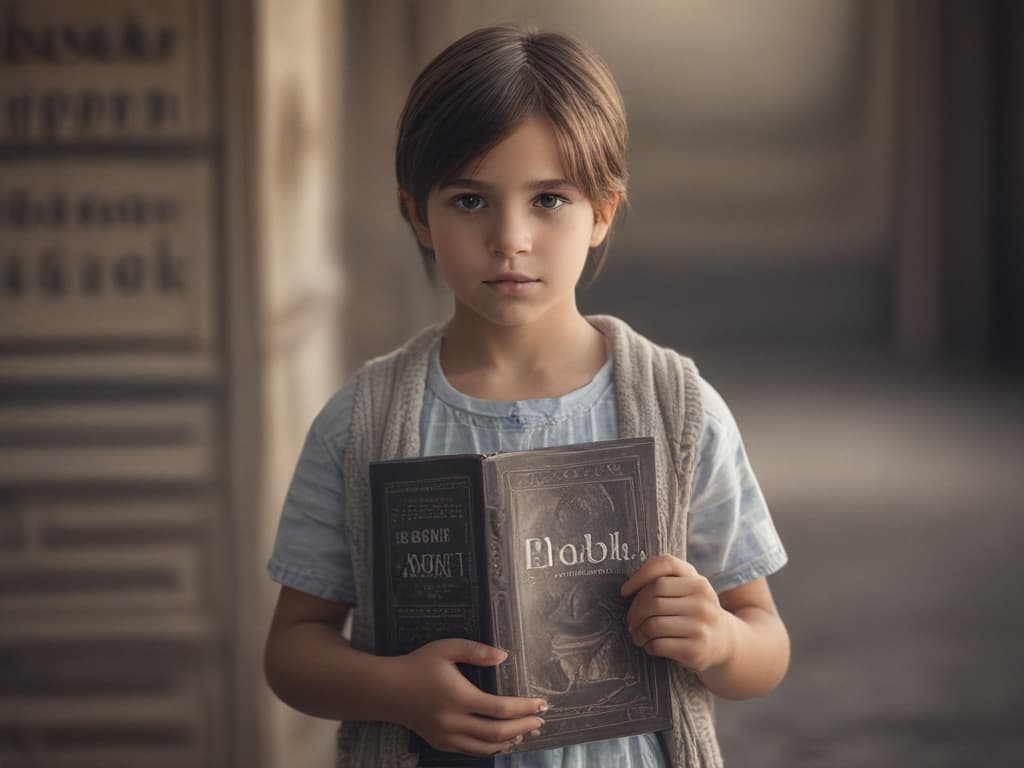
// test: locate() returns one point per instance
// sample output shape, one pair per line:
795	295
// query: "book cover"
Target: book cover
526	550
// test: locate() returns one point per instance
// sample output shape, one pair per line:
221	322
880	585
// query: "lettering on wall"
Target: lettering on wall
100	70
118	250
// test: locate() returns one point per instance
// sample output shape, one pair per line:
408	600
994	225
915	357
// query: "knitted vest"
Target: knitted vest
656	395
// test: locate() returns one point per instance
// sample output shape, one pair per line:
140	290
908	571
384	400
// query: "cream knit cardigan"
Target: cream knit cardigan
656	394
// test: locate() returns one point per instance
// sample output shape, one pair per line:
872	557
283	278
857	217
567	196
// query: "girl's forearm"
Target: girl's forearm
758	658
313	669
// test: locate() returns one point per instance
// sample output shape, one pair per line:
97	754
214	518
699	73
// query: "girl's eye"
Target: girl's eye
550	202
469	202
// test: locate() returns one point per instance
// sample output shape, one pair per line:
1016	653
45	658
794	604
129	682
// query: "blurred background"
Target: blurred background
199	242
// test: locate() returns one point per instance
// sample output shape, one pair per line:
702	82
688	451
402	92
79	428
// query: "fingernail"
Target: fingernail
544	706
535	732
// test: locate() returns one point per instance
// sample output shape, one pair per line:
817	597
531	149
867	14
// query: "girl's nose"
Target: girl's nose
511	234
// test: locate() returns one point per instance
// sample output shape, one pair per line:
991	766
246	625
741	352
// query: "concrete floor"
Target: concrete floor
897	496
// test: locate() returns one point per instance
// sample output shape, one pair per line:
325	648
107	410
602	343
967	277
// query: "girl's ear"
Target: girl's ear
420	228
604	215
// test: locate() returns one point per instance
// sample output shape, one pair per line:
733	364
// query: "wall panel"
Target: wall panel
114	576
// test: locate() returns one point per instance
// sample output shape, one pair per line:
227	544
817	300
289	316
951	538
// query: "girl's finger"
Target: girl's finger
498	731
677	648
641	610
655	568
506	707
664	627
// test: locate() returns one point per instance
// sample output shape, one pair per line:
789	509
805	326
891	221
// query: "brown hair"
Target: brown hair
479	88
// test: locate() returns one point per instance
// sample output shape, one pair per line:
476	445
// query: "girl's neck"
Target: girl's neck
546	358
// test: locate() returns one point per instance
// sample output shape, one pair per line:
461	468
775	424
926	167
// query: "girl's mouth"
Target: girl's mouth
512	283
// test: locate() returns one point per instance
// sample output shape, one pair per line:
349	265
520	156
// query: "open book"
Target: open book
526	551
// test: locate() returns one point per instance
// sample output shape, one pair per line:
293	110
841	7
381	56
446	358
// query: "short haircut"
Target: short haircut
482	86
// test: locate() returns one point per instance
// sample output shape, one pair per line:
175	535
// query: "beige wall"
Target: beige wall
301	288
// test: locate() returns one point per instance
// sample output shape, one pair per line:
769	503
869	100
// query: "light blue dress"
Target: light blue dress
731	539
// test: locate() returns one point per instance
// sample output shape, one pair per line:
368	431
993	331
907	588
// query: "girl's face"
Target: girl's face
511	234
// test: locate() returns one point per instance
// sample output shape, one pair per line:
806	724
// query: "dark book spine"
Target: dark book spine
429	566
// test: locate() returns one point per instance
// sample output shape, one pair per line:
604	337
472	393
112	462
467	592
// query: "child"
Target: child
511	165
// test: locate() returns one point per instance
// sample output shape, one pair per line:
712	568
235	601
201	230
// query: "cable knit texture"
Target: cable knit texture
656	395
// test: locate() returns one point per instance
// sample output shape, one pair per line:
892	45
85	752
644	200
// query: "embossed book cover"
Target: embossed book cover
527	551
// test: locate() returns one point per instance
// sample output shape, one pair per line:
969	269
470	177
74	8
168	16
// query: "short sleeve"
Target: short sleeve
312	551
731	538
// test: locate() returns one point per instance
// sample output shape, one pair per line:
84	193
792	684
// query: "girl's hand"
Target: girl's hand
676	614
451	713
